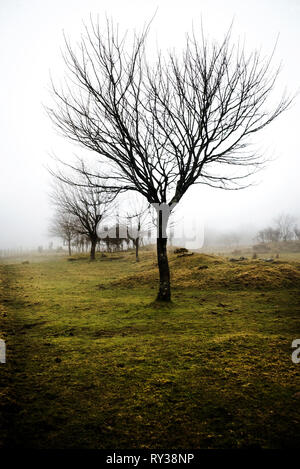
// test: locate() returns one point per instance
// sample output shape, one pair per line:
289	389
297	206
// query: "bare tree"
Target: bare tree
272	234
137	221
269	235
86	205
285	223
297	232
261	236
64	226
162	127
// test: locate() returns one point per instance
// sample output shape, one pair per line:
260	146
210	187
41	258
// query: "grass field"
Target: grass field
93	362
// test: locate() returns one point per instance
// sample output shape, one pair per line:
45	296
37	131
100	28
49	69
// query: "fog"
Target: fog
31	39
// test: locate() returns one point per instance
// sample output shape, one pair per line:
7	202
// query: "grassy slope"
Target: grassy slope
92	363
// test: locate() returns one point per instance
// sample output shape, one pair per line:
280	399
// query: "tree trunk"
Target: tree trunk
69	247
164	293
93	249
137	244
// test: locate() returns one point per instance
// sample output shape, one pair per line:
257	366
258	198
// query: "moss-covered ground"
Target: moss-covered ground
93	362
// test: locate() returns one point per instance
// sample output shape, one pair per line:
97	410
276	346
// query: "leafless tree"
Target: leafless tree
269	234
64	226
137	221
85	204
81	242
272	234
297	232
261	236
162	127
285	223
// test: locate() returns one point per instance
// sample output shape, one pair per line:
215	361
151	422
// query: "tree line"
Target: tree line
86	216
283	229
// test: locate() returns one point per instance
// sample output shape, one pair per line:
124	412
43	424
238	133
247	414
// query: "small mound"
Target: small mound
259	275
207	271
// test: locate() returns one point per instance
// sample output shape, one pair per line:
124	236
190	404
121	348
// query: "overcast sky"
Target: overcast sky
31	38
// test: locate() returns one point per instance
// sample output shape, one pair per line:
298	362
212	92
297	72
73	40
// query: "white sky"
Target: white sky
30	41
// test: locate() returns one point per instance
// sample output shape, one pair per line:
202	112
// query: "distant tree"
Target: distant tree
272	234
171	231
261	236
297	232
137	221
269	235
166	125
81	242
285	223
64	226
86	205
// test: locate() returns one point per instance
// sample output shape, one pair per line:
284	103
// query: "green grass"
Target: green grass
93	362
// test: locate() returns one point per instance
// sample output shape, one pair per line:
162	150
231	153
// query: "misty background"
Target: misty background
30	48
